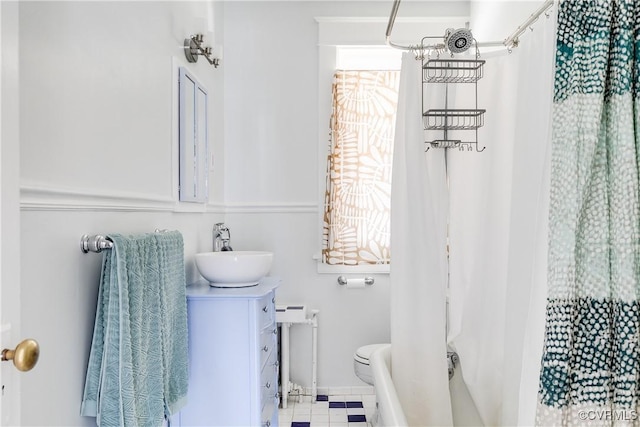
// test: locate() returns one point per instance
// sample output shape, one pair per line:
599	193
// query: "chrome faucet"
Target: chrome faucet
221	238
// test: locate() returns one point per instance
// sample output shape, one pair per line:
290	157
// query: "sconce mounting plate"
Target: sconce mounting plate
191	50
193	47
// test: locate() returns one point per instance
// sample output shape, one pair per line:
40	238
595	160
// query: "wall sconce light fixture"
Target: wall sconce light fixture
193	47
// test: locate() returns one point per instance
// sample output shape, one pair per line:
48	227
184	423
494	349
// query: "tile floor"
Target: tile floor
328	411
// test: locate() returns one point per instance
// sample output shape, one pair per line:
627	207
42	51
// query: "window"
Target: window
356	216
357	43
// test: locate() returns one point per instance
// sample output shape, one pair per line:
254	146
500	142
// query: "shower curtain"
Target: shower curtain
419	209
496	203
591	364
498	231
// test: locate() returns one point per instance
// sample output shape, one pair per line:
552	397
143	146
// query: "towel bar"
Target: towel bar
95	243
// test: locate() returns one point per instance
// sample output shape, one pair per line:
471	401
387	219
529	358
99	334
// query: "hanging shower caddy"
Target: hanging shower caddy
452	71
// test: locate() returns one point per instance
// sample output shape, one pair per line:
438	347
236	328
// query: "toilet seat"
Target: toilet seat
361	365
363	353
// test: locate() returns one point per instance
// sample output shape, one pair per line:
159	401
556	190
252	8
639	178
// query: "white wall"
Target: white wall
495	20
272	169
97	91
98	155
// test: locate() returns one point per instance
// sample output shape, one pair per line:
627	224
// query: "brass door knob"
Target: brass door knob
25	356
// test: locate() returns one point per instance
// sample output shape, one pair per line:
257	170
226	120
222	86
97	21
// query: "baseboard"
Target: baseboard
342	391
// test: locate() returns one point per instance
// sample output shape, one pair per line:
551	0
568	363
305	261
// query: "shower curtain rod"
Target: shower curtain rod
510	42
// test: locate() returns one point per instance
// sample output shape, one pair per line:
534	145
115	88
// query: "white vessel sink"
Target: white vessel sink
234	269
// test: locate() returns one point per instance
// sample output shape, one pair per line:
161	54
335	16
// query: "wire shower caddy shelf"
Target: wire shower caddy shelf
452	71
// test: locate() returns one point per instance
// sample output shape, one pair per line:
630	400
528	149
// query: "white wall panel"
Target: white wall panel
98	109
97	89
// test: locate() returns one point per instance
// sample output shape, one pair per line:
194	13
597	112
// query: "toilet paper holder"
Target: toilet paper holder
343	280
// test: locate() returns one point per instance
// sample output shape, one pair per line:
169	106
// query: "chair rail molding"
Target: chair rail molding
37	197
271	207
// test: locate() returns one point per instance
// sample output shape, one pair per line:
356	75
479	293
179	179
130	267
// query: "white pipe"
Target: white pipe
297	388
284	372
313	321
286	385
314	355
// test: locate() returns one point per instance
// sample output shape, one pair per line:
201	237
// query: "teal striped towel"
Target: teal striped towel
138	365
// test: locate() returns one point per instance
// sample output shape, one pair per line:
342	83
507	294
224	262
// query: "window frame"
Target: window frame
334	32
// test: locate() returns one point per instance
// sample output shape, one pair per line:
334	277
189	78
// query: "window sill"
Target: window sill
352	269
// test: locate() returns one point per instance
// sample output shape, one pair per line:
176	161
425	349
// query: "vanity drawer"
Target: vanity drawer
270	412
267	310
269	380
268	342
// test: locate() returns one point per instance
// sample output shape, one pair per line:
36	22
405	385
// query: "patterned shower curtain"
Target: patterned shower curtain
591	362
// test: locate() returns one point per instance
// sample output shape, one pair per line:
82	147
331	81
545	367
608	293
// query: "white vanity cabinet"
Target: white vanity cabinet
233	356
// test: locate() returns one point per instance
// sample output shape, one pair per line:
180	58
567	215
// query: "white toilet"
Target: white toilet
361	362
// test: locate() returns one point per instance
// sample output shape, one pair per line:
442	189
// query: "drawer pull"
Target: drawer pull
275	331
267	424
265	309
277	363
273	300
268	385
265	348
